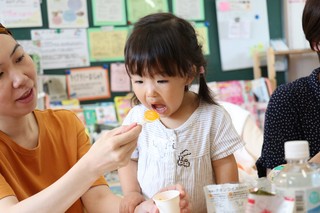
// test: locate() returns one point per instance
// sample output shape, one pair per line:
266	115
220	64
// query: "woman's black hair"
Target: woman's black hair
165	44
4	30
311	24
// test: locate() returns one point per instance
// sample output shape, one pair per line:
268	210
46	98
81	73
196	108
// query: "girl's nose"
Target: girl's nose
151	90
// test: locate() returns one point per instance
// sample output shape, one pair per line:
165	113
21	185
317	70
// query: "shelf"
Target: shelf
290	52
271	55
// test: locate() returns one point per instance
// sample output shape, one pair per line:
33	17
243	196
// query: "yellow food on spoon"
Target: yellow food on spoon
151	115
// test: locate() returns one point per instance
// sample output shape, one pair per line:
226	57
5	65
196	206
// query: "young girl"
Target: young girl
194	140
47	163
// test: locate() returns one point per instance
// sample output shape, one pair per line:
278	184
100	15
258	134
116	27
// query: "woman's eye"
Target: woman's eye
162	81
20	58
1	73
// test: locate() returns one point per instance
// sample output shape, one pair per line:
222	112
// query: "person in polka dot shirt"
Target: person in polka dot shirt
293	112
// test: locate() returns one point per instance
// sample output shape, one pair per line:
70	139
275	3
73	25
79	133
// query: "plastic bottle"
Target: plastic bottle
299	180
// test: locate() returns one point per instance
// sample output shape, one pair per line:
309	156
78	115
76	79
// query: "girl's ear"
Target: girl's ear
189	80
191	77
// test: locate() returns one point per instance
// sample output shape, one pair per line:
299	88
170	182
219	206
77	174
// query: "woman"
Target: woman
293	109
47	163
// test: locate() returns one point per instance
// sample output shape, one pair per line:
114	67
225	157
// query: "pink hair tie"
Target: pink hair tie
201	71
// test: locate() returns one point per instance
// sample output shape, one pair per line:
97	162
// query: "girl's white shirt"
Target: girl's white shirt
184	154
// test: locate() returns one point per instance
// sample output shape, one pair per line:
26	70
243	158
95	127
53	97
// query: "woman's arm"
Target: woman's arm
112	150
316	158
225	170
101	199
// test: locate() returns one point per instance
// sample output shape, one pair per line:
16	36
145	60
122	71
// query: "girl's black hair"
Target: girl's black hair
165	44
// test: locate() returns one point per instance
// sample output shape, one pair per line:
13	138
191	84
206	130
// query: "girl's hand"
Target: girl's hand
150	207
130	202
184	198
147	207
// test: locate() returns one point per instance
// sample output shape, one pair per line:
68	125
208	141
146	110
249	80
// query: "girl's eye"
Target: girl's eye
138	82
162	81
20	58
1	73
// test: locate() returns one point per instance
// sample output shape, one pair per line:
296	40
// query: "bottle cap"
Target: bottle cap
295	150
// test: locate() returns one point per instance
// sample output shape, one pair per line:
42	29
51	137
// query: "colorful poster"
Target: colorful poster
203	37
138	8
88	83
107	44
189	9
67	13
62	48
20	13
120	80
55	87
109	12
32	47
123	106
106	113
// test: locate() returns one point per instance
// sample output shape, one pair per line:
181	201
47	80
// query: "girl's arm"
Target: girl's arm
225	170
130	187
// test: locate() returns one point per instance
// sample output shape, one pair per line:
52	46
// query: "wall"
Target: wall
302	64
215	72
214	63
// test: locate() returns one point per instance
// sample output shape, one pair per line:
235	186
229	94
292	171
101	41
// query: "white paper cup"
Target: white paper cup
168	201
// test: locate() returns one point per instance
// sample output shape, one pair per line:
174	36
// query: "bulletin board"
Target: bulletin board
214	63
242	28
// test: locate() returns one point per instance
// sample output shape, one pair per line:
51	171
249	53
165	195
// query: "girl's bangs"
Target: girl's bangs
150	63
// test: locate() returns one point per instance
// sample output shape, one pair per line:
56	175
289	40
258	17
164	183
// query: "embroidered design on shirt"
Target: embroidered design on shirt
181	158
162	147
174	146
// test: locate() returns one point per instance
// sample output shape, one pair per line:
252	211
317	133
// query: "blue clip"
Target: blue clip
105	66
67	72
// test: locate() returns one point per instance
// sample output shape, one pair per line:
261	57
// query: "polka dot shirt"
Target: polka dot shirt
293	113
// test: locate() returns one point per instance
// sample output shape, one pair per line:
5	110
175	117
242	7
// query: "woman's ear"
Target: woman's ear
315	46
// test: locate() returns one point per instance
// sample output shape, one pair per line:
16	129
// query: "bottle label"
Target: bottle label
306	199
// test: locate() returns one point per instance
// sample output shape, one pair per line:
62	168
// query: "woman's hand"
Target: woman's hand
113	149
